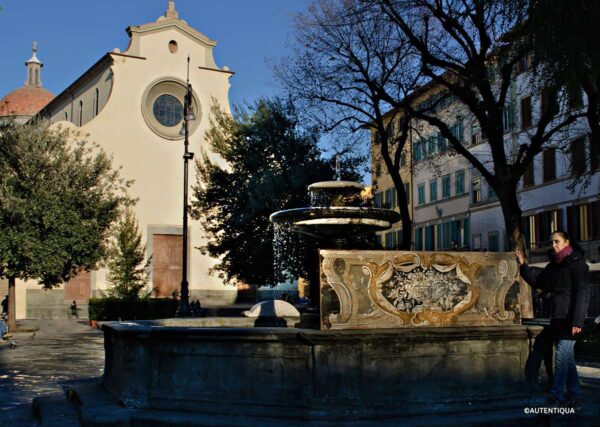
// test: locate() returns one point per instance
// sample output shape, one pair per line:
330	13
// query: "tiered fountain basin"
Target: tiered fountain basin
400	336
333	222
331	218
384	351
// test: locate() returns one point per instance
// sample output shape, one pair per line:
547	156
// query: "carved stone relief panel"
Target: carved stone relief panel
384	289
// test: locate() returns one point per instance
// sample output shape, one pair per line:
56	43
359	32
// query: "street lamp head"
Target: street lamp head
190	116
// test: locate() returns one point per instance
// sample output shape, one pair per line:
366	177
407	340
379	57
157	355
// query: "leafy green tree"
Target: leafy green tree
59	196
127	272
270	160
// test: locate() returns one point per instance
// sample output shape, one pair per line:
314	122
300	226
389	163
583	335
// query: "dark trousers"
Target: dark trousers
542	351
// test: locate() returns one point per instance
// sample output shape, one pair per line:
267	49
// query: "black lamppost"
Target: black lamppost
188	116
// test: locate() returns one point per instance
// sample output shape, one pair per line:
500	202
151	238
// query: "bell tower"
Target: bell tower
34	68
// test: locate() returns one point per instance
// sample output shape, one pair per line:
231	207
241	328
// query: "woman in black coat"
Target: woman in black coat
566	278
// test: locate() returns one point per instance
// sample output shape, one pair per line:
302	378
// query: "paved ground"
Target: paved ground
43	363
64	352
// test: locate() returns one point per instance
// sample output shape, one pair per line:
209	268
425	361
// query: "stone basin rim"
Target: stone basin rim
300	214
310	335
336	185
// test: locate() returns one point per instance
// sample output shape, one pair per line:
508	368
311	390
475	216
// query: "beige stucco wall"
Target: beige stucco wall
86	94
155	163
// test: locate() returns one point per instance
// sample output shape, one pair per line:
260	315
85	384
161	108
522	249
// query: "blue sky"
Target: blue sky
72	35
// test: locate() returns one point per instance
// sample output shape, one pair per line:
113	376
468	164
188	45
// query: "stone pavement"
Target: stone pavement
63	353
44	363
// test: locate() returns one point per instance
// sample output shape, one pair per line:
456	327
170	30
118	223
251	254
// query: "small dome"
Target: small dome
25	101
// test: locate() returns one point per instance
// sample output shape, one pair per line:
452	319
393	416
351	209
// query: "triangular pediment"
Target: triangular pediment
165	24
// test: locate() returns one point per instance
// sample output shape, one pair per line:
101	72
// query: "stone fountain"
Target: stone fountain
400	335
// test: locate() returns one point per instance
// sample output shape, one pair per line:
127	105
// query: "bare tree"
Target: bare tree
471	49
566	46
346	66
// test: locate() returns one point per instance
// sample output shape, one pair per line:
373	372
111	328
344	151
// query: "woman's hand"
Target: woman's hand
520	256
575	330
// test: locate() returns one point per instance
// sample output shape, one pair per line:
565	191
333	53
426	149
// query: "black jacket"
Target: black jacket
569	284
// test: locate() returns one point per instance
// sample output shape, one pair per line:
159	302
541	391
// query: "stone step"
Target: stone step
55	411
91	405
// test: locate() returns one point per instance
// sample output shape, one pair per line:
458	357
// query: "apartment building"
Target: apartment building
453	207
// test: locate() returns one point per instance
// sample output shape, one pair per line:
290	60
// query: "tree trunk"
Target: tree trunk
404	212
593	112
513	222
12	306
513	217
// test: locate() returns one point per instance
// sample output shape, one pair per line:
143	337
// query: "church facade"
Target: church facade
131	104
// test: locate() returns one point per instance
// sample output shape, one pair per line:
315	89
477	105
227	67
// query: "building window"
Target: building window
430	238
594	155
526	121
431	145
377	169
391	240
549	160
508	117
391	130
583	221
476	242
80	113
549	104
453	234
578	156
162	108
476	190
528	176
457	130
416	151
377	138
418	239
97	103
460	182
66	116
445	186
523	64
390	198
538	228
576	99
442	143
433	190
493	241
421	194
378	199
168	110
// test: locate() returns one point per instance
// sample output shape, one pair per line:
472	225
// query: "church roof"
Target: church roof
25	101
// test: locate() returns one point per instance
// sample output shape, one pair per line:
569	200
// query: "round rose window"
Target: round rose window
168	110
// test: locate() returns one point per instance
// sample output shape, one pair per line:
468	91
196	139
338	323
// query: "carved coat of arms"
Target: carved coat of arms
423	289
